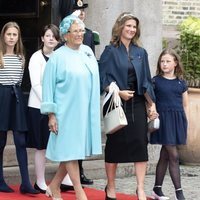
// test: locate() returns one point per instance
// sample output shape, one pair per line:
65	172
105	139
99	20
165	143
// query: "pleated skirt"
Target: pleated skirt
38	133
173	128
12	109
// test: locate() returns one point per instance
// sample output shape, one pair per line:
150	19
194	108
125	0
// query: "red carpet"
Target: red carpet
92	194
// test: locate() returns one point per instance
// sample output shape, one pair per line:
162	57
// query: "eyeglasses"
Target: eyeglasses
76	32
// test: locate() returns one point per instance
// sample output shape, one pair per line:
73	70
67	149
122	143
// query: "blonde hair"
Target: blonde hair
119	25
18	49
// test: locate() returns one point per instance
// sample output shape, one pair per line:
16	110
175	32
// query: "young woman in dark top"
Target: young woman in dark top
126	63
38	124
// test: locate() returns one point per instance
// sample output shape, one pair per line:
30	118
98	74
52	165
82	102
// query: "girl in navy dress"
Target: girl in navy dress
12	110
172	104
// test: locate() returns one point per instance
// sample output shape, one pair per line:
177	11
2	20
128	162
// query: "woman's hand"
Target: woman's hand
126	94
53	126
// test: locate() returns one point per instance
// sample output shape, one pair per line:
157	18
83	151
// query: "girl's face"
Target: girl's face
11	37
49	39
168	64
129	30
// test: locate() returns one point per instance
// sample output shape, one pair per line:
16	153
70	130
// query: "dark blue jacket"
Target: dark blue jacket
113	66
89	39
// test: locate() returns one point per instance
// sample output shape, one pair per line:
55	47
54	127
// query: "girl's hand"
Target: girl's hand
126	94
53	126
152	113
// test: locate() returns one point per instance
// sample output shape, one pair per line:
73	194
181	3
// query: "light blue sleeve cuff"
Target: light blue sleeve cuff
48	108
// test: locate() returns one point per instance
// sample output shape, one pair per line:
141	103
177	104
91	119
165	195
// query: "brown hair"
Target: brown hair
119	25
54	30
178	72
18	49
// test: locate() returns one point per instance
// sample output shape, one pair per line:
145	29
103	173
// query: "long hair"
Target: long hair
18	49
54	30
119	25
178	72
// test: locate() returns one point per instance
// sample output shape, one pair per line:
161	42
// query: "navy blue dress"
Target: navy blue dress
169	104
130	71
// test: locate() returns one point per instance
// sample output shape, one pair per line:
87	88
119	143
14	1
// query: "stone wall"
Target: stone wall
101	15
174	11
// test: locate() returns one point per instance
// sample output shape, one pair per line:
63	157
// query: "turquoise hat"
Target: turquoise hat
67	22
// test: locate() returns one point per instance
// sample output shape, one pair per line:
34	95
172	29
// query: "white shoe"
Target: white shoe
159	197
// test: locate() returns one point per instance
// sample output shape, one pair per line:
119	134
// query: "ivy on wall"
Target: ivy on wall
190	49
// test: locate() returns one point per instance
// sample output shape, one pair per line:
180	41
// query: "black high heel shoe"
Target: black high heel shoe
28	190
179	194
108	198
39	189
65	188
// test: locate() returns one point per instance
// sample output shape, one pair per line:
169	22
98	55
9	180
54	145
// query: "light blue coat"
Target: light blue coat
71	90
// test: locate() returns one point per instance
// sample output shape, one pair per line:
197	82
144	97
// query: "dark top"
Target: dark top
89	39
114	66
132	79
169	93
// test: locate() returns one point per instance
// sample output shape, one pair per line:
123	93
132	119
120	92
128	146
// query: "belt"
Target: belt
14	88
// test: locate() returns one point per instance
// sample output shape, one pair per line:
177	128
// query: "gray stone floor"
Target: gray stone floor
190	184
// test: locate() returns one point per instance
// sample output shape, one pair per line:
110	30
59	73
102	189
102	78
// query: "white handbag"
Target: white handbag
115	117
153	125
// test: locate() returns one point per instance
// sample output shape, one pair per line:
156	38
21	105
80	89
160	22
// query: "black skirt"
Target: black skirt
38	134
129	144
12	109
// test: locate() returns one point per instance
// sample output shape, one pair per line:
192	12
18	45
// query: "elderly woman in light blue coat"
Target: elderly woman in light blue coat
71	98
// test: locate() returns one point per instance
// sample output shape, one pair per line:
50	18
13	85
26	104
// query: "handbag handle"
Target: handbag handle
115	99
111	104
114	92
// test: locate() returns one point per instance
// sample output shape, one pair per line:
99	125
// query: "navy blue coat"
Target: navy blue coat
89	39
113	66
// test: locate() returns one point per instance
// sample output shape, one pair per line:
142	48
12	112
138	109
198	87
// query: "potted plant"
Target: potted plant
189	50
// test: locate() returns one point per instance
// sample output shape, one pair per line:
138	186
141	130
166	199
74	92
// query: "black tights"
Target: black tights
20	145
168	157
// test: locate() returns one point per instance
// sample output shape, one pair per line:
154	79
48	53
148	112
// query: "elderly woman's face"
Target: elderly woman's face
75	35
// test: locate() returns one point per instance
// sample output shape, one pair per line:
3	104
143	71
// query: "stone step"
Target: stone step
10	159
10	153
93	169
10	138
93	166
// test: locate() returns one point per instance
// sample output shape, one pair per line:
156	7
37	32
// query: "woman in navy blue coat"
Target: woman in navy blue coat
125	63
